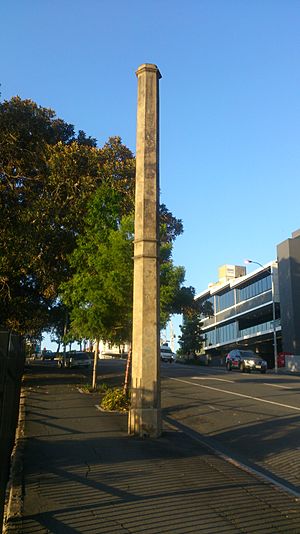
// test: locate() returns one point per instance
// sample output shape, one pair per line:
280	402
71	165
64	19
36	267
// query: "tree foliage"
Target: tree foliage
64	208
26	131
99	294
191	338
175	298
47	177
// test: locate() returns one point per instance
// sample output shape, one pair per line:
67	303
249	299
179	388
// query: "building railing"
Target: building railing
241	308
258	329
218	337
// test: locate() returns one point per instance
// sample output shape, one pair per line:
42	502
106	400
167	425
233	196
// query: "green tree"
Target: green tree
191	338
175	298
47	177
25	132
99	294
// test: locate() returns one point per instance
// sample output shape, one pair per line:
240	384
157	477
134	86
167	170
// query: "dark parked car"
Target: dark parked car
47	355
245	360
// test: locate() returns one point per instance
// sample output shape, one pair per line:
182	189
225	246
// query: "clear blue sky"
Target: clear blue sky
229	97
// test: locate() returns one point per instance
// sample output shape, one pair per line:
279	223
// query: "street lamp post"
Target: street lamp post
273	314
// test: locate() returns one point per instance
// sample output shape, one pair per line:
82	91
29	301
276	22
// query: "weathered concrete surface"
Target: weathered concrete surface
145	417
83	474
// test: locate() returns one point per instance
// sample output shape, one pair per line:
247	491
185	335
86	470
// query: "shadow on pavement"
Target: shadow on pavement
83	473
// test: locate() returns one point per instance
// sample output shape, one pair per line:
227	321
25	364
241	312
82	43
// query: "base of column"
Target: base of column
145	422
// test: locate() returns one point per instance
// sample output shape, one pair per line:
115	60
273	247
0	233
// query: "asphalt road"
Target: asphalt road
252	418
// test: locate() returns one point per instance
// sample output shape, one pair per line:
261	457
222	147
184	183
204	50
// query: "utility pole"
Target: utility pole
145	413
275	351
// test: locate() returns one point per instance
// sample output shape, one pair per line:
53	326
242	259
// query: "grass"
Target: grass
100	388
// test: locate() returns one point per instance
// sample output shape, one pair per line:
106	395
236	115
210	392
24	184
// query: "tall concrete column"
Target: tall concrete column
144	416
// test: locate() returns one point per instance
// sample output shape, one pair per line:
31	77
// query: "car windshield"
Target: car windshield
248	354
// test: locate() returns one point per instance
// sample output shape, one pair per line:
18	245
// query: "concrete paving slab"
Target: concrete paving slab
82	473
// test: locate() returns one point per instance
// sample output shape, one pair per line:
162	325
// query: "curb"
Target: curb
14	491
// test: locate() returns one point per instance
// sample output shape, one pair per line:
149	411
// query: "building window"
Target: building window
221	334
226	333
210	338
252	290
226	300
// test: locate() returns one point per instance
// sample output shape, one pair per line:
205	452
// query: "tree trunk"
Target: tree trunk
94	379
58	348
127	372
65	333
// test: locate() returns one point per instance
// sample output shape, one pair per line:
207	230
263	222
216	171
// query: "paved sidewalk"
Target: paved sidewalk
83	474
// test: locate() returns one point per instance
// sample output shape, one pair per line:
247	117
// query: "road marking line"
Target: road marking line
276	386
237	394
209	378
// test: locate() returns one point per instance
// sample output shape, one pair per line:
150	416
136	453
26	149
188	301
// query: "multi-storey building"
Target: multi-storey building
259	310
243	310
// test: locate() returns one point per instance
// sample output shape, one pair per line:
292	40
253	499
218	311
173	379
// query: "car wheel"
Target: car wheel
263	371
228	366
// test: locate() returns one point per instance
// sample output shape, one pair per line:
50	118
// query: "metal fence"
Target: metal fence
12	357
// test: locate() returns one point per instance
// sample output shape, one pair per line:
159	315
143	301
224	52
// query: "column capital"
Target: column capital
148	67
